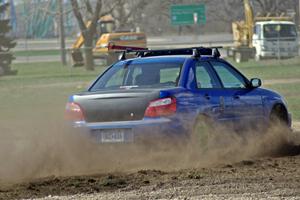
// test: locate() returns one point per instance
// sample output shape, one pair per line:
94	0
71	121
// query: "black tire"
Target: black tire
238	57
279	116
279	128
2	72
257	58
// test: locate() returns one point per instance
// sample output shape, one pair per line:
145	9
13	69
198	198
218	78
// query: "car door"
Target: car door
247	106
210	98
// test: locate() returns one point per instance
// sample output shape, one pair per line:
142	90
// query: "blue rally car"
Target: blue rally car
168	93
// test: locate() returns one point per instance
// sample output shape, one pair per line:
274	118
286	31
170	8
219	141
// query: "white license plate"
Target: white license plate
113	136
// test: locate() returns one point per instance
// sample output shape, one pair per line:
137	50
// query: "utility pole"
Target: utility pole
299	15
61	32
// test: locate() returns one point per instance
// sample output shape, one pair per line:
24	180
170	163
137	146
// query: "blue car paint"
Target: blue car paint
251	104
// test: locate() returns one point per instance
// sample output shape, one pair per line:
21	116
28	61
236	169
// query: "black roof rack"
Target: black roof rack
193	51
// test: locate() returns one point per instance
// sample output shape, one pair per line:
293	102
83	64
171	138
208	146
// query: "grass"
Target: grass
47	73
46	52
40	90
38	93
271	69
292	95
274	69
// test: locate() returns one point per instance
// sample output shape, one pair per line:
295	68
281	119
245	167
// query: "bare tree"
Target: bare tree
87	32
126	12
275	6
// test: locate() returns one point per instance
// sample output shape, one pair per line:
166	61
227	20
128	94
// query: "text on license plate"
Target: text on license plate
113	136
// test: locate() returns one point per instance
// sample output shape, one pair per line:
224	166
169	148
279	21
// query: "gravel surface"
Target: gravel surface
270	177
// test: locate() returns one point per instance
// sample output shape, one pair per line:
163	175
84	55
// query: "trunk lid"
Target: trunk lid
119	105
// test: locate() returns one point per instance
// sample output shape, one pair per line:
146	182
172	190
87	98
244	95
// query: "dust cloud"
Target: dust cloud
48	147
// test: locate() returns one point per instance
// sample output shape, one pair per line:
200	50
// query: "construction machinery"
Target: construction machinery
106	35
263	36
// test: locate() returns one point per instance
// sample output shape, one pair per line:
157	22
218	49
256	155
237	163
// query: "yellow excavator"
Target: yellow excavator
263	36
107	35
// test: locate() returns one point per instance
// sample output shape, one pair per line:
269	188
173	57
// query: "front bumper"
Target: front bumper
136	131
272	54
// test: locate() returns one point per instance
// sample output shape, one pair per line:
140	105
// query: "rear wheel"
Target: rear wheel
202	134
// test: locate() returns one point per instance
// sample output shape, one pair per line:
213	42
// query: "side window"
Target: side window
204	77
117	79
258	31
229	77
136	73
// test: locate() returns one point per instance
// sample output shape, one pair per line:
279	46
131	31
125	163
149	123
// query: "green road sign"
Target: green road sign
188	14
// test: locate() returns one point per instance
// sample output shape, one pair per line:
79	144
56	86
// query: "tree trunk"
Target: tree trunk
88	53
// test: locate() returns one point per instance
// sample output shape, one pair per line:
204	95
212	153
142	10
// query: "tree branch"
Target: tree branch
88	7
110	10
95	18
78	16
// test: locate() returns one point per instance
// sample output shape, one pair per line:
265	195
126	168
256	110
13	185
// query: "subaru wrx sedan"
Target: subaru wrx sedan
167	93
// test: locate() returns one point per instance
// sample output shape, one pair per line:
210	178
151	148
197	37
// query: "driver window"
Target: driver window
229	77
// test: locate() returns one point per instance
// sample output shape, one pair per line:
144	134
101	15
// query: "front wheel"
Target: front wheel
279	117
257	57
279	132
238	57
1	71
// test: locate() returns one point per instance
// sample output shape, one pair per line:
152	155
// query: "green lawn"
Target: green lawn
37	95
274	69
271	69
39	92
46	52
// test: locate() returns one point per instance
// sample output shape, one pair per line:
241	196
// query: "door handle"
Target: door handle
206	96
236	97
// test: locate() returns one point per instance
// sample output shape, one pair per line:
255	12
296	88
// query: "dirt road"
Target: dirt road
277	176
268	177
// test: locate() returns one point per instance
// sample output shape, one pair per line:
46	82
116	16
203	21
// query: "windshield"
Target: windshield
139	75
279	30
107	27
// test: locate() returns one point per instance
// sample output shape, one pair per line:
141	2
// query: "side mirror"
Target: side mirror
255	82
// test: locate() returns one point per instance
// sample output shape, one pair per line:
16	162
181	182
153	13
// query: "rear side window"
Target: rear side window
139	75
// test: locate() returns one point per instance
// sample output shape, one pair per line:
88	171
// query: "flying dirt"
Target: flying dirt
47	158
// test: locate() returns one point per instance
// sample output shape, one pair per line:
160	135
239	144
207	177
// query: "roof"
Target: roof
154	59
275	22
162	59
